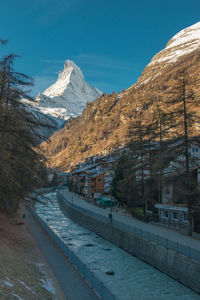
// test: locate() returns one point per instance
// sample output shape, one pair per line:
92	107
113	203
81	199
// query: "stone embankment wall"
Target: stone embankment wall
180	267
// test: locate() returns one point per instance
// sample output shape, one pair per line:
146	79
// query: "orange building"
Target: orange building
98	183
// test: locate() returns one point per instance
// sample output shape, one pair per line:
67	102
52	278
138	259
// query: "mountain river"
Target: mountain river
131	278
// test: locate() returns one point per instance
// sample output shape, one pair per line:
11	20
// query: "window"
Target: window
99	179
174	215
167	191
185	217
165	213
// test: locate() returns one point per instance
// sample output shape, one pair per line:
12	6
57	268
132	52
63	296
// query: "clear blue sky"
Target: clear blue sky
111	41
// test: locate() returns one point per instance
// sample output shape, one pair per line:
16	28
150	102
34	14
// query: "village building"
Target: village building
173	212
95	177
174	216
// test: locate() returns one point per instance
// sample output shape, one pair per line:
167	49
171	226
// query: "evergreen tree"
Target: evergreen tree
119	176
21	166
183	103
55	181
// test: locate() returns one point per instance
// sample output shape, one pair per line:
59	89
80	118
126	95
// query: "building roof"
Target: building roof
96	174
171	207
83	169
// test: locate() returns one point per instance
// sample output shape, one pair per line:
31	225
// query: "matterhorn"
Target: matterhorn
66	98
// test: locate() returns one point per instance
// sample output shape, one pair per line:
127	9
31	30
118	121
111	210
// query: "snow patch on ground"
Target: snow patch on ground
17	296
27	287
7	282
39	264
48	285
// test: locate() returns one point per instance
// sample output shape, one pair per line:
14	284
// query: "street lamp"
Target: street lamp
72	198
110	214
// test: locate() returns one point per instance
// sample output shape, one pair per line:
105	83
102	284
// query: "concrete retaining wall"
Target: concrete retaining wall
176	265
49	189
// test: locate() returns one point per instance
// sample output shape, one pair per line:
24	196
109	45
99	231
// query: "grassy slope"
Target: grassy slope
24	273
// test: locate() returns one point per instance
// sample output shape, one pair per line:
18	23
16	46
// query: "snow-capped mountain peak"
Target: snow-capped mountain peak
70	73
179	47
66	98
184	42
189	35
70	92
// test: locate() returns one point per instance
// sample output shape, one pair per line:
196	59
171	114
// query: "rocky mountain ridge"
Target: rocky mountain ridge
107	123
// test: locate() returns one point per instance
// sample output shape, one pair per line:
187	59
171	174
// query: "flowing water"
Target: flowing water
126	276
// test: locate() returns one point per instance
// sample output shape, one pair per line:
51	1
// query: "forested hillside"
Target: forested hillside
109	121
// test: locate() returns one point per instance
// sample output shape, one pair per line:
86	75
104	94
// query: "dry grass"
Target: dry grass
24	273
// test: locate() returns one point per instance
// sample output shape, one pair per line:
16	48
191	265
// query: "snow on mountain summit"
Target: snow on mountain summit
189	35
184	42
182	45
70	93
68	96
71	72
